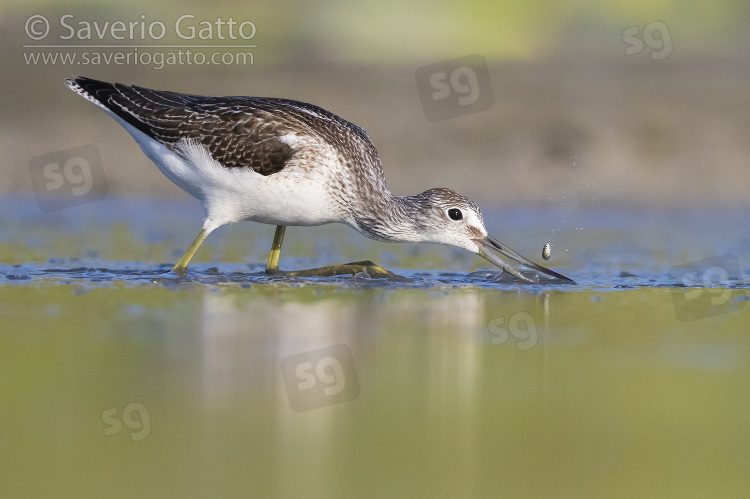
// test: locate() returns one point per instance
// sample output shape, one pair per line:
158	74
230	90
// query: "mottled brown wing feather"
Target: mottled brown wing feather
239	132
234	138
234	131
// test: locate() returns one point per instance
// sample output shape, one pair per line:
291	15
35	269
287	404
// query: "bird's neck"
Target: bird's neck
389	218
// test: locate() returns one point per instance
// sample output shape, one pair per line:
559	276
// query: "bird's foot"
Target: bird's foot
354	268
179	270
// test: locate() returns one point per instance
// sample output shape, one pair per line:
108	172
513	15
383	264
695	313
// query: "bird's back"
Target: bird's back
303	151
238	132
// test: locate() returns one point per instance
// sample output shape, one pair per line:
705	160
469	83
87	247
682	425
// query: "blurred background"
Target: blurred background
643	103
628	119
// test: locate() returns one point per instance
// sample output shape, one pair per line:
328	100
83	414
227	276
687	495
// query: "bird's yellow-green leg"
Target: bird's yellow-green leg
181	267
332	270
345	269
273	258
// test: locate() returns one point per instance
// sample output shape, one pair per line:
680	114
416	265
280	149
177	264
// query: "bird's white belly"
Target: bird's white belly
279	199
234	194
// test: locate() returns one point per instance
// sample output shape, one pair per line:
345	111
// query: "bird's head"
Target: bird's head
447	217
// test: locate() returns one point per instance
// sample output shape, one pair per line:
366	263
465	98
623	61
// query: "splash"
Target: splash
565	209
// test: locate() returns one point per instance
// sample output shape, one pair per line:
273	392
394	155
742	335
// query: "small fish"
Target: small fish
546	251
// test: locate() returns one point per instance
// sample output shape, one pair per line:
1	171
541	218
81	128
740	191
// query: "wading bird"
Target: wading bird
283	162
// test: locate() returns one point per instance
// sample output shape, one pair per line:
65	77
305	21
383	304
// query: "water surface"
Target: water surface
119	379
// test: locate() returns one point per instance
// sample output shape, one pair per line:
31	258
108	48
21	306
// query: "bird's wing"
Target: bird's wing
238	132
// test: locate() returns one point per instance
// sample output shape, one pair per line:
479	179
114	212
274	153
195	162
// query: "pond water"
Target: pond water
120	379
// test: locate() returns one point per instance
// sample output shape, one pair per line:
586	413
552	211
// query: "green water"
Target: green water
123	383
629	402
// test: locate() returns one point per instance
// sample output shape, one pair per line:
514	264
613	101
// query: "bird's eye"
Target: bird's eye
455	214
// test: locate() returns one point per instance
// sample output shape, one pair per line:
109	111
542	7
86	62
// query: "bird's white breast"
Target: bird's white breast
289	197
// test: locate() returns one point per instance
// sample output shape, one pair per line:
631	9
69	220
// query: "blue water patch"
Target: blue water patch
599	249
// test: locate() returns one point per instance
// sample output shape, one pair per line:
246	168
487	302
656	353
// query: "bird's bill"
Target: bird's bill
489	245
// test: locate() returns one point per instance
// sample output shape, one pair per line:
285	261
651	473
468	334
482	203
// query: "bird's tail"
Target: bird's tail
92	90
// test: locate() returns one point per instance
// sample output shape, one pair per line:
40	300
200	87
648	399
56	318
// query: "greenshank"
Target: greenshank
288	163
